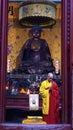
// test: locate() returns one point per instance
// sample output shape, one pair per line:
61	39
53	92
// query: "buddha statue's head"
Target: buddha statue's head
36	31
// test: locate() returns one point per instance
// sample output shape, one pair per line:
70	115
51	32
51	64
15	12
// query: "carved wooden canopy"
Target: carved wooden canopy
40	12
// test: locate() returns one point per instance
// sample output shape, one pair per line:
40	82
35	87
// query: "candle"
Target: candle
8	65
57	66
28	91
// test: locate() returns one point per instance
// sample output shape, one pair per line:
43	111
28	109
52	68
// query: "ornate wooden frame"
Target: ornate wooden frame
67	60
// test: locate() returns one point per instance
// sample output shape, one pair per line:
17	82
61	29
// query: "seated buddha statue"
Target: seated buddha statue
35	56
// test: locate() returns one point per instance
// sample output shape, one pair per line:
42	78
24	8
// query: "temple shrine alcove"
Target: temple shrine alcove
31	51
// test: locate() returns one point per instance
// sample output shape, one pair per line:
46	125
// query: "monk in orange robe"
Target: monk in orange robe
50	100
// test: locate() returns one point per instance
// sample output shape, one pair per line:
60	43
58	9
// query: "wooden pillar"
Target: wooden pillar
66	77
3	54
71	55
64	61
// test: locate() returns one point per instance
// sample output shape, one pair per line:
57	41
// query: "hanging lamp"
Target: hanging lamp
37	12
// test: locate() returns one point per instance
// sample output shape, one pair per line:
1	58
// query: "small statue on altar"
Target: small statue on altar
35	56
